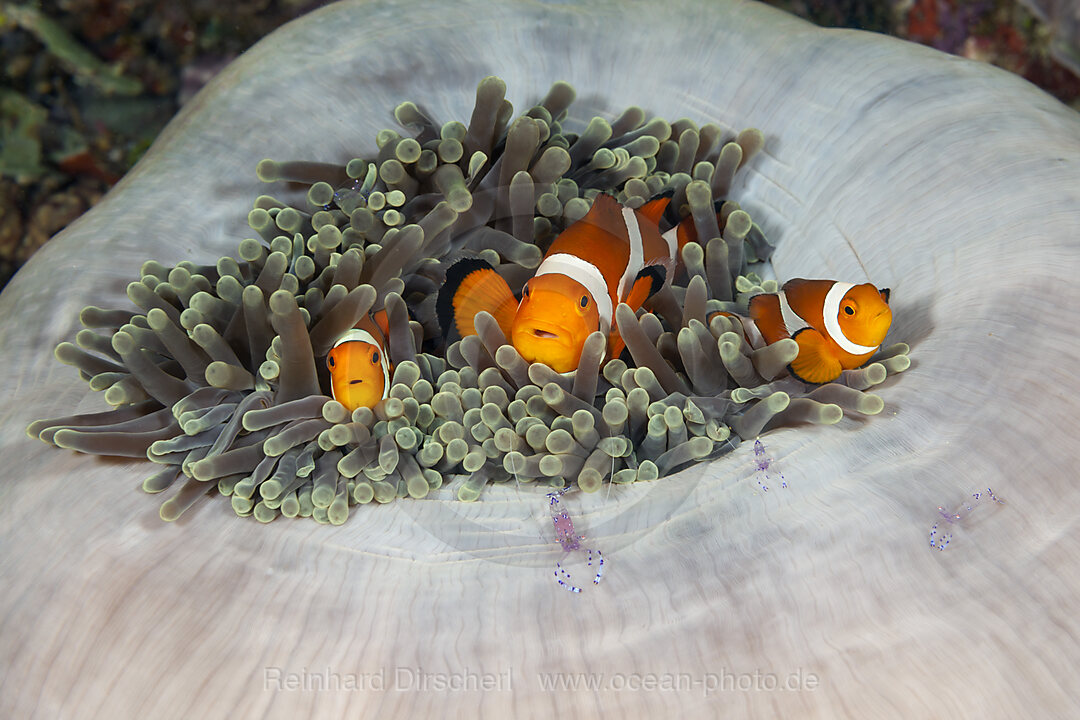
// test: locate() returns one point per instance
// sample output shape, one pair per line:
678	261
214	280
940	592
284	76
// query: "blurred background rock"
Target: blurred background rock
86	85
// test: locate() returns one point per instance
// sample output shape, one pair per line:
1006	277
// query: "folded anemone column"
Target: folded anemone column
948	182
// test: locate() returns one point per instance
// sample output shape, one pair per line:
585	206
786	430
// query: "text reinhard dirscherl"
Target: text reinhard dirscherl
417	679
397	678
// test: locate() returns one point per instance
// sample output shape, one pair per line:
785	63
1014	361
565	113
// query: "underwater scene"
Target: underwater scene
551	357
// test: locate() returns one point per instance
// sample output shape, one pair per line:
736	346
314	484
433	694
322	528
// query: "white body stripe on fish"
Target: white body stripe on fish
793	323
358	335
637	254
590	278
831	313
671	237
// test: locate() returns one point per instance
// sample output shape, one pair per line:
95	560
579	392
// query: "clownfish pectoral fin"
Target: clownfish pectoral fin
473	286
885	295
814	363
647	283
654	209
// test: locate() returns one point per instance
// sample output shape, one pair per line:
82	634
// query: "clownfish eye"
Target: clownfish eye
849	310
584	301
375	358
330	361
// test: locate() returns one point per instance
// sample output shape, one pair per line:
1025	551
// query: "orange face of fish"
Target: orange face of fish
357	377
554	318
864	315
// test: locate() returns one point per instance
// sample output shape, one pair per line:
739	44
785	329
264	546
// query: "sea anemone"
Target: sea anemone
217	379
947	181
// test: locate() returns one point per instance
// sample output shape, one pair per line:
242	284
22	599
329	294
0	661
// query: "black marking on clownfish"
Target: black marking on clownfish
455	275
791	369
658	273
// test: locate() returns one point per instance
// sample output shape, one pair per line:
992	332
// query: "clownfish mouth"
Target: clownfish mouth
544	331
529	336
353	382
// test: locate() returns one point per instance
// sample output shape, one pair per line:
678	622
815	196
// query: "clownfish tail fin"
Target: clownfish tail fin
473	286
686	231
764	310
759	305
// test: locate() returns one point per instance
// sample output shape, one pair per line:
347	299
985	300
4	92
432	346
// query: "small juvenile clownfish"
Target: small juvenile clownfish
359	365
837	325
613	254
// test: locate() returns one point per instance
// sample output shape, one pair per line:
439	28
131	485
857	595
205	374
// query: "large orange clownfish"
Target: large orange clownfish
613	254
837	325
359	365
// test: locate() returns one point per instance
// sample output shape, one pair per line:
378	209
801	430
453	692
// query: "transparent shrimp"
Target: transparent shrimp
763	463
570	541
941	533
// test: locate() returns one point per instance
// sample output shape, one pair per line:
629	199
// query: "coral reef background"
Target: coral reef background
86	85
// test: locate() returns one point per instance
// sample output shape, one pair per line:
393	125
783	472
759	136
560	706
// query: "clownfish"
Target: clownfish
837	325
613	254
359	366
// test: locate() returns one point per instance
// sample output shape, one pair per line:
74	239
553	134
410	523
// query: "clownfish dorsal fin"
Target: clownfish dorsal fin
605	203
654	209
473	286
606	214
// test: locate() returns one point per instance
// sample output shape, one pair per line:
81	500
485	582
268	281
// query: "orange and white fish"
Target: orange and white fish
359	365
837	325
613	254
